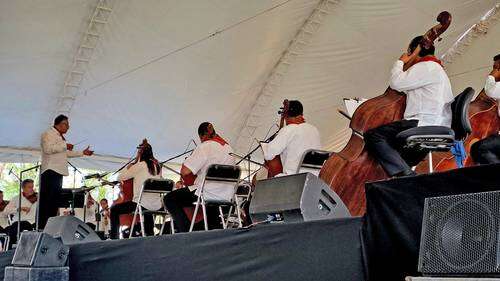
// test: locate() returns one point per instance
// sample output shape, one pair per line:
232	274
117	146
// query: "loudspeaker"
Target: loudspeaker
39	249
70	230
300	197
460	235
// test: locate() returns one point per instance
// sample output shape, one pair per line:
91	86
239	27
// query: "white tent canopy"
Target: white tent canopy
161	67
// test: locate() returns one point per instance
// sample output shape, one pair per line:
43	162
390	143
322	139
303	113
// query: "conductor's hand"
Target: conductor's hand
69	146
87	151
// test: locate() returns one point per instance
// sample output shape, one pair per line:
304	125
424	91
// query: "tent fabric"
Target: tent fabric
162	67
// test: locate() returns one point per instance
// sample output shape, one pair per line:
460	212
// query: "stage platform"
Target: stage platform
382	245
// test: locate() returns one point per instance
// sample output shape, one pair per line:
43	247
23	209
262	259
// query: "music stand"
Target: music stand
72	199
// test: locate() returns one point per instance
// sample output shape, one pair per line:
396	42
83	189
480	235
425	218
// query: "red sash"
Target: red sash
431	58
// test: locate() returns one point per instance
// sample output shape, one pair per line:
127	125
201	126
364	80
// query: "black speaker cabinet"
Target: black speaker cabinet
37	249
70	230
460	235
300	197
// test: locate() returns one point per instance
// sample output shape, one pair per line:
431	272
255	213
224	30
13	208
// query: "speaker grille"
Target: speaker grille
460	234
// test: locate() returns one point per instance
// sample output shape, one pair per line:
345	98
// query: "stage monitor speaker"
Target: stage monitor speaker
70	230
460	235
37	249
300	197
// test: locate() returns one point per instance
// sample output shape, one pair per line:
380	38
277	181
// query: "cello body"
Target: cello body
347	171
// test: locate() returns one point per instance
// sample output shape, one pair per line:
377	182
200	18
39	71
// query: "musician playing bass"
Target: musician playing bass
487	151
212	150
293	139
428	103
145	167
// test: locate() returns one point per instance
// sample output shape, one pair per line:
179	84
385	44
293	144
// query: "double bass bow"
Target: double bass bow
348	170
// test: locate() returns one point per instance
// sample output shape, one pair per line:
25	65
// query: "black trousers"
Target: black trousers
486	151
175	202
382	144
11	230
50	194
127	208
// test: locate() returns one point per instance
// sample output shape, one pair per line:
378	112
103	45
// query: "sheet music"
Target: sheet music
352	104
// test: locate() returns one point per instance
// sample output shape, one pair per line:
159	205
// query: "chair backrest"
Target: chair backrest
221	182
460	114
158	185
312	161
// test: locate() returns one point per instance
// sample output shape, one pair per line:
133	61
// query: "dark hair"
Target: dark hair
59	119
295	108
26	181
423	52
206	128
1	191
497	57
148	157
103	199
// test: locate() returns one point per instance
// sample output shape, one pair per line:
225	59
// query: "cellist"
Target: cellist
487	151
293	139
428	103
212	150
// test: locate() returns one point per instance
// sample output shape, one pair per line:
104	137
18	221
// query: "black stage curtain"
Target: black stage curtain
319	250
394	215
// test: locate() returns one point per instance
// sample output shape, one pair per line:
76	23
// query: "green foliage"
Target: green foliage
9	184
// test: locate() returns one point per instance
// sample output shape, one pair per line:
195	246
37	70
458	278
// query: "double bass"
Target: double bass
484	120
348	170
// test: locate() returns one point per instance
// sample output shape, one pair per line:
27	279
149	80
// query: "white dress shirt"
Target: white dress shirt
208	153
492	89
140	173
291	143
11	209
54	152
428	92
4	220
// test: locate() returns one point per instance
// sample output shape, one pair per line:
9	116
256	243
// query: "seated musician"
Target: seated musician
292	140
105	216
4	221
428	102
28	210
145	167
212	150
487	151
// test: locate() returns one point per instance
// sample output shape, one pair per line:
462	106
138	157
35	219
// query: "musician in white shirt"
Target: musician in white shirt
4	219
145	167
487	151
212	150
292	140
55	153
28	210
428	102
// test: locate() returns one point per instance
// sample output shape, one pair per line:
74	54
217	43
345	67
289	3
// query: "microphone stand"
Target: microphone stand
19	201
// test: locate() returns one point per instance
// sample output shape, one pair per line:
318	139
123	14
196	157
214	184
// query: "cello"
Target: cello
347	171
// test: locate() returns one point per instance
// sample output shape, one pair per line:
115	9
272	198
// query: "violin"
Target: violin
348	170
